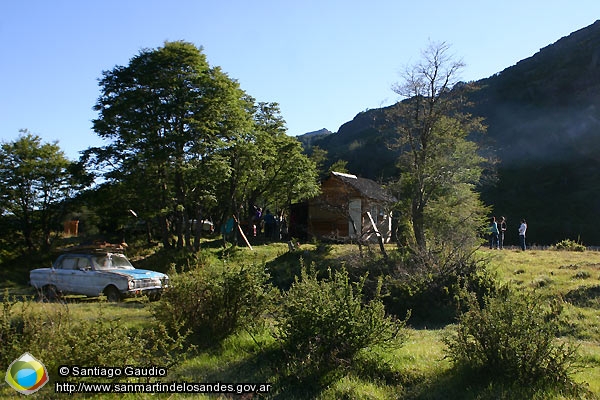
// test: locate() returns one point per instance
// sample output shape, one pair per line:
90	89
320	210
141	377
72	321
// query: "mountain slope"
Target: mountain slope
543	117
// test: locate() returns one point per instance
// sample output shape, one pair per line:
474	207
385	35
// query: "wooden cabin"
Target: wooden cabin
346	210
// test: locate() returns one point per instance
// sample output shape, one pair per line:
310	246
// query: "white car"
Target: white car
95	273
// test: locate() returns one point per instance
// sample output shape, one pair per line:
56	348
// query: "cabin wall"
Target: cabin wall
328	214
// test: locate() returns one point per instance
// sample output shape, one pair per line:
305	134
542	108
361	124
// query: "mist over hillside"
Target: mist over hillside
543	118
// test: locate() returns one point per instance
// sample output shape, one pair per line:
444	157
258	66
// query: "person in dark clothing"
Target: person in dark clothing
269	220
502	229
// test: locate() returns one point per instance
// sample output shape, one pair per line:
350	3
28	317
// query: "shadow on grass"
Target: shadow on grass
284	269
183	259
585	297
266	366
29	293
457	384
163	259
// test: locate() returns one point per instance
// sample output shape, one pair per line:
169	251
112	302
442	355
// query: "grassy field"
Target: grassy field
574	277
418	370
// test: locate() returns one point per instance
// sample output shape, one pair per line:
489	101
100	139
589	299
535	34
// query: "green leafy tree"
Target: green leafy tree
187	143
440	166
339	166
267	167
319	157
35	180
282	174
164	113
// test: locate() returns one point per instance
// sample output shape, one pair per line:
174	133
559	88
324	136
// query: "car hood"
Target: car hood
135	273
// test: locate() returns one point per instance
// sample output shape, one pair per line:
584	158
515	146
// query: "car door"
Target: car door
82	279
63	273
98	276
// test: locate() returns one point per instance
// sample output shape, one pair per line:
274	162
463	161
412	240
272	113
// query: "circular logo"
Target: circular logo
26	374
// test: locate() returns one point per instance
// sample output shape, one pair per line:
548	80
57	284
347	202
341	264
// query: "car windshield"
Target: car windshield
112	261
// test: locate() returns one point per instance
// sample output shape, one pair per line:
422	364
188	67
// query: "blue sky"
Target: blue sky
323	61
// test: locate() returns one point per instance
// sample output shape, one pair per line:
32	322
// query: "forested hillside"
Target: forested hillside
543	119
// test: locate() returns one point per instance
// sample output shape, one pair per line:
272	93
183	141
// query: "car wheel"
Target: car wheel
50	293
154	296
112	294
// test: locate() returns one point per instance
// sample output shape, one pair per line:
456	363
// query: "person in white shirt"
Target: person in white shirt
522	230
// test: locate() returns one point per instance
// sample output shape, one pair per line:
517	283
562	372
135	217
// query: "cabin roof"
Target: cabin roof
367	187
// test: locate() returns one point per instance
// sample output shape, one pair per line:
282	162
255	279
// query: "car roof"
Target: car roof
95	248
85	254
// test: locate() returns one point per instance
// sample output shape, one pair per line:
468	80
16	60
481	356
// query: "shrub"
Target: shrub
431	285
569	245
53	335
213	302
323	324
582	275
512	338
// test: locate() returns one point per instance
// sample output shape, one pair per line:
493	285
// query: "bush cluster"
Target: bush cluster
431	285
324	323
512	337
52	334
211	303
569	245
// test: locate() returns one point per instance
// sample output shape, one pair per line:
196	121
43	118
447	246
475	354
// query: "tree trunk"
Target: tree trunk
179	225
198	231
27	230
187	228
163	220
164	227
180	192
418	224
358	236
148	233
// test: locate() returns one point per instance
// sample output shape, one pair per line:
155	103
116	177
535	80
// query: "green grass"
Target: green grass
418	370
575	278
572	276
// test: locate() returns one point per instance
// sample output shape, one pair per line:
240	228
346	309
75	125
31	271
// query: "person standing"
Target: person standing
494	233
502	229
269	220
522	230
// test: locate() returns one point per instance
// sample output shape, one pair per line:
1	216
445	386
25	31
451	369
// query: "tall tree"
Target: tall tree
166	108
439	165
35	179
268	167
282	173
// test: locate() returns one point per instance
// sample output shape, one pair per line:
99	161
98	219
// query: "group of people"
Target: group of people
266	225
498	230
274	227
